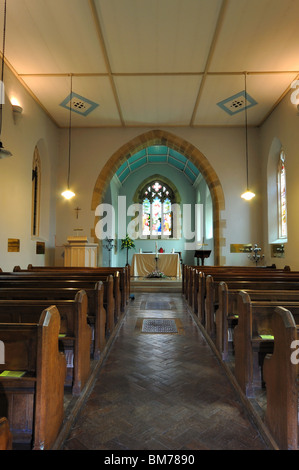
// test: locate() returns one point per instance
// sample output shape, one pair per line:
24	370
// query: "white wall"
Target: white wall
224	148
282	126
33	128
92	148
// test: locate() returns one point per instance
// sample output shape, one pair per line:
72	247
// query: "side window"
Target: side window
36	182
282	197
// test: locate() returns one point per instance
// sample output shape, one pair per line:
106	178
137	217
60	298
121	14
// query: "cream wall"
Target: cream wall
224	148
91	148
282	127
33	128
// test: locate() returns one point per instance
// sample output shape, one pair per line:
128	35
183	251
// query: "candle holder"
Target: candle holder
109	247
256	257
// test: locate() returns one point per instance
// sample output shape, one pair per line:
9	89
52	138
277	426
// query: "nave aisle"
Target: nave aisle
162	391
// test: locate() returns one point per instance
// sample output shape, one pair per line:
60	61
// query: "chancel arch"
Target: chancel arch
160	137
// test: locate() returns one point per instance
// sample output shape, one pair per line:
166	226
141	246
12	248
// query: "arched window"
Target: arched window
36	179
282	197
157	217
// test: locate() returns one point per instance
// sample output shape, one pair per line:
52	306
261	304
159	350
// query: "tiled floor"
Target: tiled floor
162	391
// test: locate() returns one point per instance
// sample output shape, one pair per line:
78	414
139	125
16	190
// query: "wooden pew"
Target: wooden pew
33	403
255	320
75	333
232	271
281	377
40	280
96	310
123	273
189	288
245	282
5	435
227	311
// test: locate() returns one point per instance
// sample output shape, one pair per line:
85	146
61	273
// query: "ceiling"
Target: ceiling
154	62
158	154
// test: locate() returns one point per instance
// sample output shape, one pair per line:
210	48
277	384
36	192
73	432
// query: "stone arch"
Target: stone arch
161	137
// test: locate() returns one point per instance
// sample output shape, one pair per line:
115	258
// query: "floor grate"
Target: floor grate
171	326
158	325
153	305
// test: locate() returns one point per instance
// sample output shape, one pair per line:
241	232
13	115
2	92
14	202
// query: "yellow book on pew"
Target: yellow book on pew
267	337
12	373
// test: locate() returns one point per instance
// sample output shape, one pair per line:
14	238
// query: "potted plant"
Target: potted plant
127	243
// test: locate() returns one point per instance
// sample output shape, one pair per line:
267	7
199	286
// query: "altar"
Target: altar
145	263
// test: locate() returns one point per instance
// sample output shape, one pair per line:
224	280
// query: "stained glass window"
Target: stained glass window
157	198
282	197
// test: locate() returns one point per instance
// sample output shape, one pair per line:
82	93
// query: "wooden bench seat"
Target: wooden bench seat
190	272
281	378
226	315
74	334
211	301
52	281
253	339
196	291
122	272
96	309
34	402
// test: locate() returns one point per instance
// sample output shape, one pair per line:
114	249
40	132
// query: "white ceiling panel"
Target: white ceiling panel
93	92
258	35
154	62
52	36
216	107
168	100
158	36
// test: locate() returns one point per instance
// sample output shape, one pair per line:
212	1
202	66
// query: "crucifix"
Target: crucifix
77	209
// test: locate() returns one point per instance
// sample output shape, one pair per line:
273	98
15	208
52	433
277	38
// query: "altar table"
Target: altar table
145	263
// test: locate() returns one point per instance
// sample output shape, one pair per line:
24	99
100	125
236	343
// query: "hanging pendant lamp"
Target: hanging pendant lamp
68	193
247	195
3	152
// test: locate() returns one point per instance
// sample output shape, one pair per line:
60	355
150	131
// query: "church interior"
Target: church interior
175	109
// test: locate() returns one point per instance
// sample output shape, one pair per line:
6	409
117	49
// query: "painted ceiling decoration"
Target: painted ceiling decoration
78	104
237	103
158	154
149	63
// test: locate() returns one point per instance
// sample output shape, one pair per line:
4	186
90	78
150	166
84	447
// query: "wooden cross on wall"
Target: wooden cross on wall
77	209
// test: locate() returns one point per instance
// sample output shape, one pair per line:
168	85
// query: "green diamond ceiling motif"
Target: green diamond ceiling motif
158	154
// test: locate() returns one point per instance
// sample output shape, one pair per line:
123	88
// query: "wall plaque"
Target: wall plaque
40	248
13	245
241	248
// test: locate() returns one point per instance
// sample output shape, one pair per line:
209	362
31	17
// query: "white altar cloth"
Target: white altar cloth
145	263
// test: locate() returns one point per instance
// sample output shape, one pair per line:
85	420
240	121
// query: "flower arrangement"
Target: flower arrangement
156	274
127	243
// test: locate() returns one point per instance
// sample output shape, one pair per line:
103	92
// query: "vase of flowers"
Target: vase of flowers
127	243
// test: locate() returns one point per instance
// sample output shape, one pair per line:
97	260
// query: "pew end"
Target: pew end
281	375
5	435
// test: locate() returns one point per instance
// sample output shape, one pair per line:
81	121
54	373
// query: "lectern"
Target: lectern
80	253
201	254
